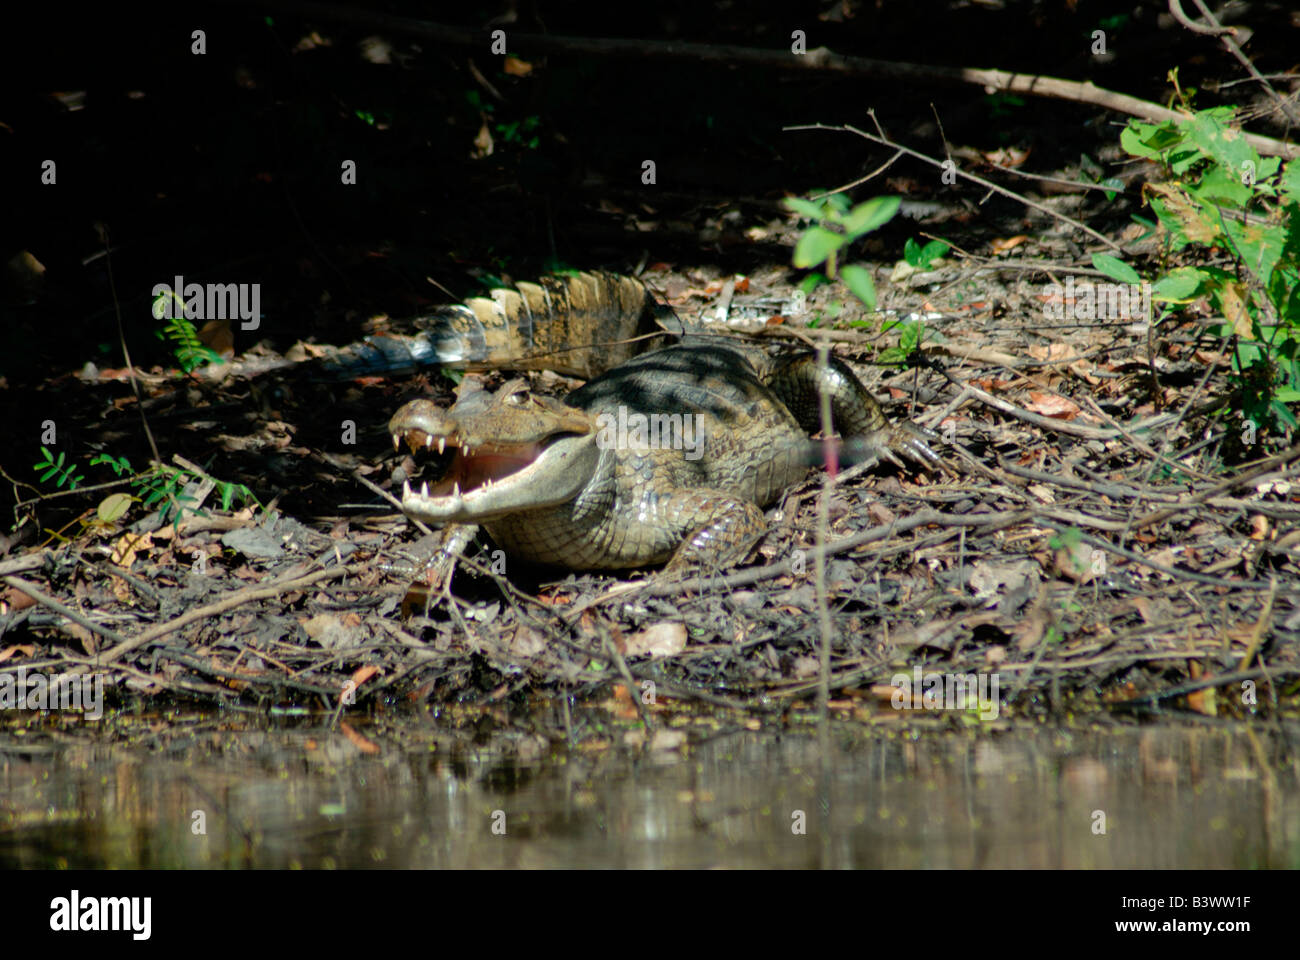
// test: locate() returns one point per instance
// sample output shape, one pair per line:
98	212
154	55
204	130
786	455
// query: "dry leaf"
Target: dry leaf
127	546
1005	245
1051	405
26	649
658	640
515	67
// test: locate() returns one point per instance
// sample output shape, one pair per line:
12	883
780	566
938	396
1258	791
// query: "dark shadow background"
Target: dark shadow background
226	167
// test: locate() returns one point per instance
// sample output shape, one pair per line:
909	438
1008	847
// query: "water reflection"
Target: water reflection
1133	798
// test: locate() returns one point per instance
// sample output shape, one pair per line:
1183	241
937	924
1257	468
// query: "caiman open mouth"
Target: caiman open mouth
465	471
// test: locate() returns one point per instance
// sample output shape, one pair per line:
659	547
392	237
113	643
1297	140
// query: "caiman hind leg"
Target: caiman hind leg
717	529
855	414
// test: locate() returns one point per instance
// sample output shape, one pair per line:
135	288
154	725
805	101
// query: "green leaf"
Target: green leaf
1259	246
1224	144
933	250
868	216
838	202
816	246
858	280
1221	185
1289	183
1149	141
1115	268
1180	285
805	208
1283	414
811	282
921	257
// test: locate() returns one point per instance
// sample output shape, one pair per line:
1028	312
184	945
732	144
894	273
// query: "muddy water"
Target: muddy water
200	794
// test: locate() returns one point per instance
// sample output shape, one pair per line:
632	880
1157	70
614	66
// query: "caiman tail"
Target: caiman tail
579	324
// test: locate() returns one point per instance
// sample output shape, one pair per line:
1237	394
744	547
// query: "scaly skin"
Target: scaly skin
551	482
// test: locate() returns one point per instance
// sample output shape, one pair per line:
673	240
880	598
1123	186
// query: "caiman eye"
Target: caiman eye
518	398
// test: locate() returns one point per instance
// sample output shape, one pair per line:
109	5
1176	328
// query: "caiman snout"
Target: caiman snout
495	453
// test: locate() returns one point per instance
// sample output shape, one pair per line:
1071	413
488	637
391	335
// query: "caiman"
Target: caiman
667	457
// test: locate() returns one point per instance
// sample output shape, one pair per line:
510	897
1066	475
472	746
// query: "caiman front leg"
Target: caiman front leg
717	529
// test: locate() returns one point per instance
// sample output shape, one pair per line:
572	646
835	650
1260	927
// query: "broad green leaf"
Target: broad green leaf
811	282
932	251
1283	414
858	280
866	217
1115	268
839	202
1180	285
1224	187
1149	140
805	208
816	245
1259	246
1224	144
1289	183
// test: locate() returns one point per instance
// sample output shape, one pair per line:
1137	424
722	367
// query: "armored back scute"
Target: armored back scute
578	324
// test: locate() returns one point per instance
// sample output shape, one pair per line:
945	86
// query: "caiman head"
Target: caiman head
496	454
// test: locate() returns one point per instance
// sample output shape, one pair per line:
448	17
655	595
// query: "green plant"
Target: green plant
189	350
160	484
165	485
53	467
922	256
1001	105
1091	169
836	227
911	333
1240	214
522	132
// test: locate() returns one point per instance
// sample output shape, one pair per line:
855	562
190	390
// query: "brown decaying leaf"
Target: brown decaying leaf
657	640
1051	405
26	649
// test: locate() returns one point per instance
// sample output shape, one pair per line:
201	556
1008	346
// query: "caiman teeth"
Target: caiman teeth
397	441
455	488
428	440
442	443
406	489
